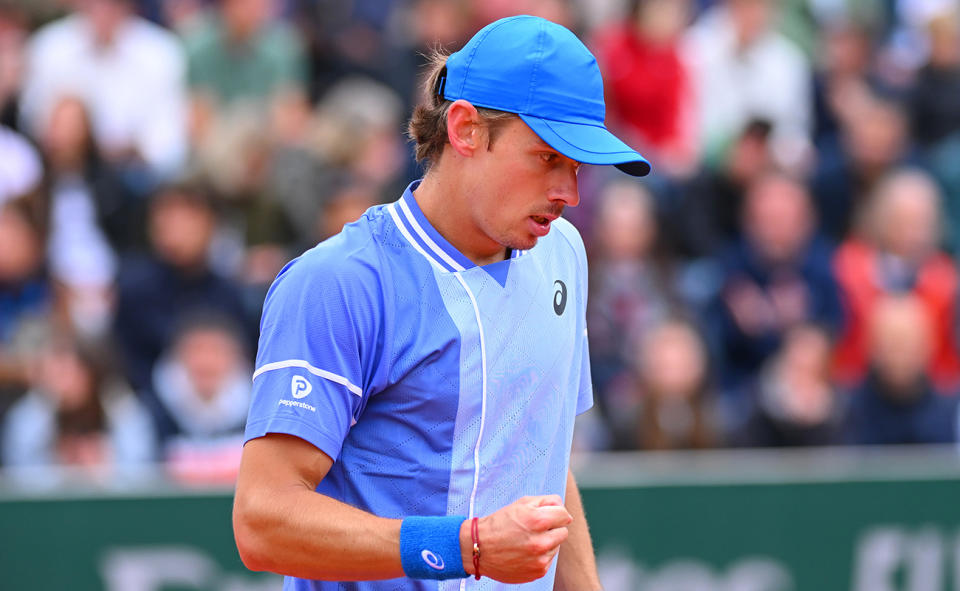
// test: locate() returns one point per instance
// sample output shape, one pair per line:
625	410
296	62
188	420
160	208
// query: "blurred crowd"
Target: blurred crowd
787	276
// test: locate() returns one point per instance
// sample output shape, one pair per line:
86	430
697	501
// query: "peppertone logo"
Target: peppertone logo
300	387
432	560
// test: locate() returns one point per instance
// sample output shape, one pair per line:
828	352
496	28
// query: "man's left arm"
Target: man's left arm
576	565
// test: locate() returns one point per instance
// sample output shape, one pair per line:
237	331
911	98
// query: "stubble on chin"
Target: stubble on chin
520	239
520	243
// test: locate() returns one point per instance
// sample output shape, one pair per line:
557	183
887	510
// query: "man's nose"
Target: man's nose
565	188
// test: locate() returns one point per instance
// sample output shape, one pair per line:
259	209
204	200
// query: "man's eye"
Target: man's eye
548	157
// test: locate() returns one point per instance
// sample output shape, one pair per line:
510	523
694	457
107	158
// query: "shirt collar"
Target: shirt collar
421	234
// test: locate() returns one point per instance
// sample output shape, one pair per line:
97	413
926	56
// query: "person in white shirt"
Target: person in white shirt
20	165
745	70
131	75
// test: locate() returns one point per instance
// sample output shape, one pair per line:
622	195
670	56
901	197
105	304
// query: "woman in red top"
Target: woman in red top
898	254
648	86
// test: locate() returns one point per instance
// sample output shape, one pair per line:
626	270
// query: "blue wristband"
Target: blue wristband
430	547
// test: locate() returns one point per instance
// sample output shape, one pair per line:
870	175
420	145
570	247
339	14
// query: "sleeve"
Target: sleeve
319	346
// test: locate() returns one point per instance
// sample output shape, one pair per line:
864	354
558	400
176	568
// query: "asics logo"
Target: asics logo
300	387
432	560
559	297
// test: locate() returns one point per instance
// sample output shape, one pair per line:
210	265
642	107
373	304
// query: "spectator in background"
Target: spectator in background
241	54
274	188
78	414
776	276
899	255
350	141
180	16
26	296
806	21
934	108
357	132
20	166
305	199
429	24
562	12
357	38
344	203
89	214
107	96
156	292
874	139
908	45
648	85
630	287
85	190
935	114
13	37
203	383
897	403
128	72
845	74
343	207
238	162
744	70
667	404
796	404
707	215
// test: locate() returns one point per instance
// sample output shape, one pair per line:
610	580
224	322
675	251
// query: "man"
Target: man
170	286
423	368
776	276
239	54
897	403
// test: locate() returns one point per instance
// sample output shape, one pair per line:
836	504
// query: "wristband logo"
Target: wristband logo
300	387
432	560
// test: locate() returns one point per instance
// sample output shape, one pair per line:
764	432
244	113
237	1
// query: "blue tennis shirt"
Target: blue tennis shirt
438	387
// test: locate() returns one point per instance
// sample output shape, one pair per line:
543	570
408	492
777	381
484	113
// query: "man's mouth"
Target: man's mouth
540	224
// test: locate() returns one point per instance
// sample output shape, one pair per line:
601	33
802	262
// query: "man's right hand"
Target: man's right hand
518	542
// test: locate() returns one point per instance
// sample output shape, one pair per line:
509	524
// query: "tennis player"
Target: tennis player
418	374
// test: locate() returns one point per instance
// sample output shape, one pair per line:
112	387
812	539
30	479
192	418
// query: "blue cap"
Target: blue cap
541	71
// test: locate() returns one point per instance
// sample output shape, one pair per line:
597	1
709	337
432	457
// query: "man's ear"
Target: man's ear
465	130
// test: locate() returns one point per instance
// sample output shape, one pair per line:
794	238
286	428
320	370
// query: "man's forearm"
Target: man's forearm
307	535
576	565
281	525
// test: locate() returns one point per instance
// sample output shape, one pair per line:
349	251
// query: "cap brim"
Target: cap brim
590	144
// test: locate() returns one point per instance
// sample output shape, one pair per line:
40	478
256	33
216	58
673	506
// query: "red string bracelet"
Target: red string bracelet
475	535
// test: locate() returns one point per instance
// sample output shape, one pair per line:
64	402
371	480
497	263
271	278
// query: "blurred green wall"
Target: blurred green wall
836	520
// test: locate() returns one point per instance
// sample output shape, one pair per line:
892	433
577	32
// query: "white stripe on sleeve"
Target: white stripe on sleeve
314	370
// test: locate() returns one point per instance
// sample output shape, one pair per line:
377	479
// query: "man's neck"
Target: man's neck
444	202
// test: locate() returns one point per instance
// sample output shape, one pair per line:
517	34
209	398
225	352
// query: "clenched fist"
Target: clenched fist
519	541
